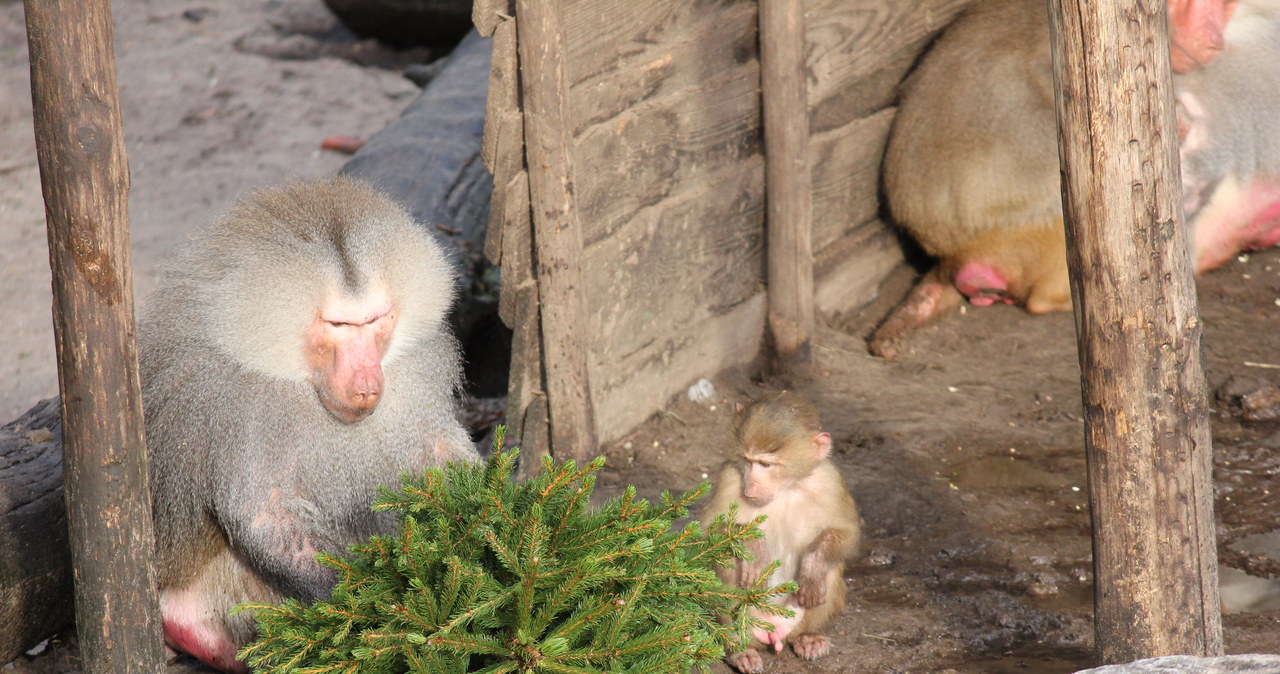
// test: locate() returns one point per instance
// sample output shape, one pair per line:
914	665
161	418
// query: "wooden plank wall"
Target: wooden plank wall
668	165
859	50
671	183
509	238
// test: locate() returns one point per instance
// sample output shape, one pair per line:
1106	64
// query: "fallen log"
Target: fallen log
35	557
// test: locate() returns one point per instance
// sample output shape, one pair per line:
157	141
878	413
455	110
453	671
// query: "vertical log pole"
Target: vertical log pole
1146	425
80	145
788	184
557	233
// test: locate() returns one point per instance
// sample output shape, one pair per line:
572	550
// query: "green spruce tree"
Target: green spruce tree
492	576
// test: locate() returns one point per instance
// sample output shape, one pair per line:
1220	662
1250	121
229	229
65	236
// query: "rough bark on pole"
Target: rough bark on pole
557	232
80	146
788	185
1146	424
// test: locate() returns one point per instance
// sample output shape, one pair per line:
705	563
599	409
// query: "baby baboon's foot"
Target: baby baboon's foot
811	646
747	662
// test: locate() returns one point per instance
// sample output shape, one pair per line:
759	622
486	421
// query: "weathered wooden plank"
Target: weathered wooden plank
517	261
510	244
867	42
486	15
846	175
503	145
625	53
863	97
847	274
643	382
85	180
666	108
788	184
558	233
494	227
535	435
698	252
527	417
1147	438
645	154
503	94
518	307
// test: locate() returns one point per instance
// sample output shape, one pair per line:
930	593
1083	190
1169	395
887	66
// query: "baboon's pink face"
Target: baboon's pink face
345	346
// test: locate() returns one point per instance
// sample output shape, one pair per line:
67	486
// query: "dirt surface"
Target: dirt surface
965	456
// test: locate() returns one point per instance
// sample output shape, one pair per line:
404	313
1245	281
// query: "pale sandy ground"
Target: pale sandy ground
204	120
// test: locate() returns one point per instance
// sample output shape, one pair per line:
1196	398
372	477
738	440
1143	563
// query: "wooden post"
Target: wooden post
557	233
788	185
1146	426
80	145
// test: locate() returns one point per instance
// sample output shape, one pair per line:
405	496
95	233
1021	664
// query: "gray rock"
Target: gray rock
1230	664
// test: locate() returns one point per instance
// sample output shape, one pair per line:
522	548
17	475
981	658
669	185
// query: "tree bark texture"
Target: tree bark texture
788	185
80	146
1146	424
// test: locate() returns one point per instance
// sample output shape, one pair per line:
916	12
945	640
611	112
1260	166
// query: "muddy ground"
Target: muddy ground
965	456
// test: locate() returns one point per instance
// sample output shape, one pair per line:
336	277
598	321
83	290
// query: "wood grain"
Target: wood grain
671	267
557	229
644	381
669	144
846	176
1147	439
85	178
486	15
848	273
628	55
665	103
503	146
852	42
788	183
